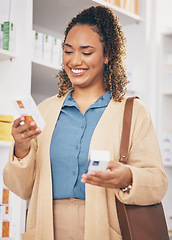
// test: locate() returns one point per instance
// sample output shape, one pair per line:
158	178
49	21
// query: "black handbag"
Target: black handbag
138	222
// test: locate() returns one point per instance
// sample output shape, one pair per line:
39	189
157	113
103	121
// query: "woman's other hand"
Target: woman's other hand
117	175
23	135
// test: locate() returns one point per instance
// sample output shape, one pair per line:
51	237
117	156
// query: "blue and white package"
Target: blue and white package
98	161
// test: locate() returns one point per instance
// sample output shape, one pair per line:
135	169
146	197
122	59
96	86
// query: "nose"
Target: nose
76	59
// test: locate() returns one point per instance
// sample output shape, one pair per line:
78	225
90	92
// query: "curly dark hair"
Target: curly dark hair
106	24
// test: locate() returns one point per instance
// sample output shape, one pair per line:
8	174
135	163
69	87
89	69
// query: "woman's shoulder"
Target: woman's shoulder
48	101
140	110
50	104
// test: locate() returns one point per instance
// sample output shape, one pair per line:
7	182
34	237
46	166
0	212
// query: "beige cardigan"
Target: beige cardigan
30	178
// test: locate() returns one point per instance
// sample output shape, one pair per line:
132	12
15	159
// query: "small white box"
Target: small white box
1	35
38	45
26	107
12	37
47	48
56	52
98	161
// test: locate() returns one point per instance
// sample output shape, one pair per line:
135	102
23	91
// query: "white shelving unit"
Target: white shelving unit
125	17
165	114
6	55
15	72
42	63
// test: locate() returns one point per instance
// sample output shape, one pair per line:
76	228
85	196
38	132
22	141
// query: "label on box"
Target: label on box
27	107
98	161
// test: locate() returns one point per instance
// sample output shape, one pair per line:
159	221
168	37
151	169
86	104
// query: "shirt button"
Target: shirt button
82	126
76	147
74	172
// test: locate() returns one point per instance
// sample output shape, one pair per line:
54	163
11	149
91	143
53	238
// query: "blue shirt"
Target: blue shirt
70	146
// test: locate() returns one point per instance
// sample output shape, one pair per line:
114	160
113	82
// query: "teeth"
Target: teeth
77	70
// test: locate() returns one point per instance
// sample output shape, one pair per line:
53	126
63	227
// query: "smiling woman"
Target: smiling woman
102	34
87	114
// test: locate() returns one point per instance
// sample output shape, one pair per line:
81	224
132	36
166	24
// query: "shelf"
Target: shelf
42	63
167	93
5	55
168	33
125	17
167	164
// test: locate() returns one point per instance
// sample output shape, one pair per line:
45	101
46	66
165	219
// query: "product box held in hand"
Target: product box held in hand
27	107
98	161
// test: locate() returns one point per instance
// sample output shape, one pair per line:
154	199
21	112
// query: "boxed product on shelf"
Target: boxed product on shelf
167	81
1	35
12	44
5	211
38	45
9	36
6	118
6	127
57	52
129	5
47	48
167	148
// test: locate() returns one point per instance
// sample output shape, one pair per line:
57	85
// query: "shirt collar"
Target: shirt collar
102	101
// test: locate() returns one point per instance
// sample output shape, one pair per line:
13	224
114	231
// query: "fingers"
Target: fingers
21	132
105	179
114	177
17	122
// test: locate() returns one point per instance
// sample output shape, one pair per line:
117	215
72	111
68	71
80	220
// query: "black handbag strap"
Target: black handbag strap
121	211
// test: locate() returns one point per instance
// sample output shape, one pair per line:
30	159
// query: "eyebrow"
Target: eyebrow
82	47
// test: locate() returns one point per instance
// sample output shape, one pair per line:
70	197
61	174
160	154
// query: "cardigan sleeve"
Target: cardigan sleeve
19	174
149	179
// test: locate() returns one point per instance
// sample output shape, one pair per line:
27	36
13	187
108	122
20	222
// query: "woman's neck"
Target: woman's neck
86	98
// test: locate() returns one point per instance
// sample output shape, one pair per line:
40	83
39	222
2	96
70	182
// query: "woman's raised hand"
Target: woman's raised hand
23	134
117	176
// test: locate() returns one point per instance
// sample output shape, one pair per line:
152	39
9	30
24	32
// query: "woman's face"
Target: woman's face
83	57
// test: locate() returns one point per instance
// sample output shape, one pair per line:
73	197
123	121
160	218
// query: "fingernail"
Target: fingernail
92	173
82	180
22	118
38	129
32	123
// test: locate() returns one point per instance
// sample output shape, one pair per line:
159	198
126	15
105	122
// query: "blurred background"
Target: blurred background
31	33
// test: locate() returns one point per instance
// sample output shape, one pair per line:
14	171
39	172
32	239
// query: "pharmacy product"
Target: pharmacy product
27	107
98	161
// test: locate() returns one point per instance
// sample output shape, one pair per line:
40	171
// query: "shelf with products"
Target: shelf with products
124	15
165	115
15	81
166	82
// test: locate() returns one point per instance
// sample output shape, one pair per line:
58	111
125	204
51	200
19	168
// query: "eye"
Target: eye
68	52
87	54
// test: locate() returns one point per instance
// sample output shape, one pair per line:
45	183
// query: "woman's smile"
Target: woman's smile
77	72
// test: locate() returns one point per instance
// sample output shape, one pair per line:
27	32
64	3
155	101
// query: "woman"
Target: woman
48	168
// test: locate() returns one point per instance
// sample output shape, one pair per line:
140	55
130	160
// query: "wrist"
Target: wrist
20	152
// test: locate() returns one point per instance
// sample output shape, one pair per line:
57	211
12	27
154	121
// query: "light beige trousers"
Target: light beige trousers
69	219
